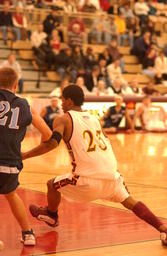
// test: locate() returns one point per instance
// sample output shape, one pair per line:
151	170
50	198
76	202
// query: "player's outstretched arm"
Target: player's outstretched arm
49	144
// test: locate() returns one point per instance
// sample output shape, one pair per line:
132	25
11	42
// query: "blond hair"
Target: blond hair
8	78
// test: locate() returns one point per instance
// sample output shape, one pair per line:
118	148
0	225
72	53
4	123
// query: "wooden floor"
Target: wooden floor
142	160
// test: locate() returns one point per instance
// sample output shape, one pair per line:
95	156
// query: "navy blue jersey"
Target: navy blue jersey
50	115
114	118
15	116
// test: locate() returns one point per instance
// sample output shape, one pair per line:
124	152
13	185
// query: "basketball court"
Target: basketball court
101	227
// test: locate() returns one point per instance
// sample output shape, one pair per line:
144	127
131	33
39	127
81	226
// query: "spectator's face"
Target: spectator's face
118	101
117	84
113	43
40	28
54	103
55	33
6	7
101	85
96	72
68	51
80	81
146	101
54	13
11	59
134	83
152	53
18	9
76	29
102	63
117	63
146	36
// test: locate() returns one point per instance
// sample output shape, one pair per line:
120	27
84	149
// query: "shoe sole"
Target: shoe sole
28	243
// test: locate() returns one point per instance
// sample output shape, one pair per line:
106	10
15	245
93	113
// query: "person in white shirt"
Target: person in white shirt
114	71
94	172
160	67
141	10
38	37
12	63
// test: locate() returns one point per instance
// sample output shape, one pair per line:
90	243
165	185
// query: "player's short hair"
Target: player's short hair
75	93
8	77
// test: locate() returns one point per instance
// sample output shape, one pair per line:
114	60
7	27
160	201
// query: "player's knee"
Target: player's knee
50	184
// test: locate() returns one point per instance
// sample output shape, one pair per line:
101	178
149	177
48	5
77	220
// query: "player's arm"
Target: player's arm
41	126
43	112
51	143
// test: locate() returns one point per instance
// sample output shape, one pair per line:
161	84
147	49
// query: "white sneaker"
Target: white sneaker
28	237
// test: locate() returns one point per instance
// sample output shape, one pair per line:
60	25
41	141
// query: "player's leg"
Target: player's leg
48	214
18	210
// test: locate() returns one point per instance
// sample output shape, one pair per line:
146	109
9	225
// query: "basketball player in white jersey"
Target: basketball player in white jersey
94	174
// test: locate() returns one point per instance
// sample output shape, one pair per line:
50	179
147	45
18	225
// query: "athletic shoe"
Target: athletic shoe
42	214
163	238
28	237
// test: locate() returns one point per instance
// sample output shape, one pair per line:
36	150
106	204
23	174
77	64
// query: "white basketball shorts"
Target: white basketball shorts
88	189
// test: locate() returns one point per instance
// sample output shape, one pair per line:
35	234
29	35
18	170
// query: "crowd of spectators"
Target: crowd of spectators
102	74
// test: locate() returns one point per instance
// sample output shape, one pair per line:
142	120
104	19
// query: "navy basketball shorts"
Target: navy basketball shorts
8	179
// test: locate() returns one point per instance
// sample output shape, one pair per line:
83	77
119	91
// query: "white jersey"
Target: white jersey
92	151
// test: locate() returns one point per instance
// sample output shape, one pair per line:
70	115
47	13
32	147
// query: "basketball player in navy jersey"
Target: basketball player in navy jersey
94	174
15	116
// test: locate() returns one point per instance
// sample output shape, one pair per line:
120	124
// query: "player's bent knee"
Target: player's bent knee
50	184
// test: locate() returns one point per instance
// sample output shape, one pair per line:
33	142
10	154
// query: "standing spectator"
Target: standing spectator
51	22
12	63
88	7
6	23
141	10
141	46
114	115
75	37
100	30
49	112
20	22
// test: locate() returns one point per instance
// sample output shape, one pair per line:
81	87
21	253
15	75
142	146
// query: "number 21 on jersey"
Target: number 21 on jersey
92	146
4	109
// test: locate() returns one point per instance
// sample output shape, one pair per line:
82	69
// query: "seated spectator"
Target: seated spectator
150	89
161	67
105	55
6	23
114	53
92	2
20	22
70	7
88	7
117	87
113	29
114	115
19	3
135	89
103	74
91	79
52	22
54	42
126	11
38	37
75	37
80	82
89	59
12	63
114	71
141	46
49	112
152	8
57	92
63	64
149	62
141	10
123	34
77	62
79	21
152	118
100	90
100	30
105	5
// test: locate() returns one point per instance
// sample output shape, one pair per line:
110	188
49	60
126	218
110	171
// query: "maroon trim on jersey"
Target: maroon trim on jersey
72	125
66	182
72	157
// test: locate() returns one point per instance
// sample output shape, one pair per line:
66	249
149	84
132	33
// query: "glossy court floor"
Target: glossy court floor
99	228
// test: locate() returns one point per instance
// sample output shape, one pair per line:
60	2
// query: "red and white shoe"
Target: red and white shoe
42	214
